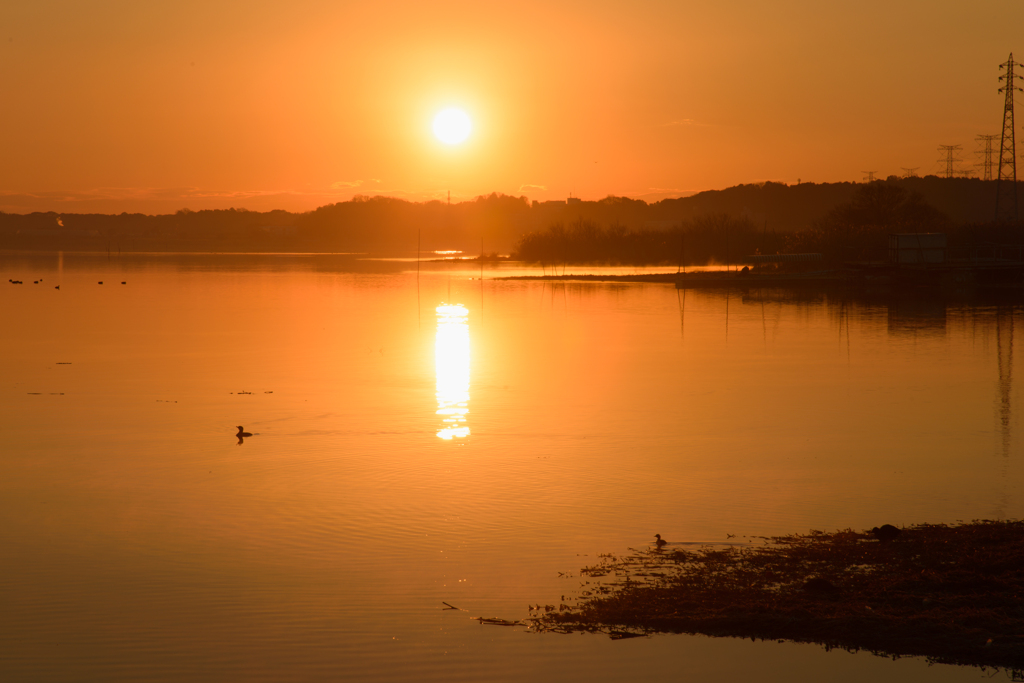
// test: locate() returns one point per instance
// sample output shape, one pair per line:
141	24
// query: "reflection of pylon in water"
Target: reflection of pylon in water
1004	350
1006	181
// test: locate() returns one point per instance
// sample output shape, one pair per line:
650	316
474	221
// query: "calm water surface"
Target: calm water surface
406	454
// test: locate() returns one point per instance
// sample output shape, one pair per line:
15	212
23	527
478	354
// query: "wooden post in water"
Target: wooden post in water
681	300
727	250
682	242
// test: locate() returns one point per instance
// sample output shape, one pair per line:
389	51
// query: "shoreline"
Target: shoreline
701	279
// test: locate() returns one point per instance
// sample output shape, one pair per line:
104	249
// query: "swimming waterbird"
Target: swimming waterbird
660	542
241	432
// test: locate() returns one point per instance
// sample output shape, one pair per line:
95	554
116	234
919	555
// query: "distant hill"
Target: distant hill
788	208
386	224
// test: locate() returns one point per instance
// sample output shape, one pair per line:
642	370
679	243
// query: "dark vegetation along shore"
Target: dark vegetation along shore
712	226
953	594
856	230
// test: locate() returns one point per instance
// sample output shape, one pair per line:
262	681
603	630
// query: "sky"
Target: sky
112	106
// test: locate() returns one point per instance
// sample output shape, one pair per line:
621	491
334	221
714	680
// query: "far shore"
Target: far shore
717	278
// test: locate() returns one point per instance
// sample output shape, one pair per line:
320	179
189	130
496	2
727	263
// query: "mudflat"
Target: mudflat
951	593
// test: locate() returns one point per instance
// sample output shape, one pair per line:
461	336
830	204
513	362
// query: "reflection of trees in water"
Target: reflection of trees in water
931	315
914	315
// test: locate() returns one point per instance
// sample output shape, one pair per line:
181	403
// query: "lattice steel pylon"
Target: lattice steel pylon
950	159
1006	181
870	177
986	154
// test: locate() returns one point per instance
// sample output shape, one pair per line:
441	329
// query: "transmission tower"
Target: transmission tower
909	172
870	177
950	159
986	154
1006	181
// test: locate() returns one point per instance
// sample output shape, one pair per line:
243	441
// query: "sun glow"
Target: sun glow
452	126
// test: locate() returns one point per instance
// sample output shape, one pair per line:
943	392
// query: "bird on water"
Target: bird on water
661	542
242	432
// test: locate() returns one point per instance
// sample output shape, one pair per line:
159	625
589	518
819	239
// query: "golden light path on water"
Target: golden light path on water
451	364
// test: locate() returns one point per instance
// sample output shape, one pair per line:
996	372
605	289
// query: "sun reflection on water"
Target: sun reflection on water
451	364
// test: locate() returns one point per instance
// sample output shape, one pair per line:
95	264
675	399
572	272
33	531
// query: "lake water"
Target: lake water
404	457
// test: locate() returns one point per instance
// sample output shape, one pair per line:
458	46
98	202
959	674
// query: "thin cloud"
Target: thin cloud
347	184
527	186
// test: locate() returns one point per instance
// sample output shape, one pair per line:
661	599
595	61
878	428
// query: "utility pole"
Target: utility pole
986	154
1006	181
950	159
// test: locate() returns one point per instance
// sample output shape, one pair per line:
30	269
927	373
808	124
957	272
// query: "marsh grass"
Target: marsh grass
951	593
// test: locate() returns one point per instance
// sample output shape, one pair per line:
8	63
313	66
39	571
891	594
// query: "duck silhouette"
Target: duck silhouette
660	543
242	432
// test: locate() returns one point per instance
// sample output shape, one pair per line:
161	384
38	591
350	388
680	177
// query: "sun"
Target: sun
452	126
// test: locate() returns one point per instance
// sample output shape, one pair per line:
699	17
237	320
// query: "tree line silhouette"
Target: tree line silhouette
854	230
713	238
716	225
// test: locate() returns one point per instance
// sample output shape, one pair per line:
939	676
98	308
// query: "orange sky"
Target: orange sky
126	106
